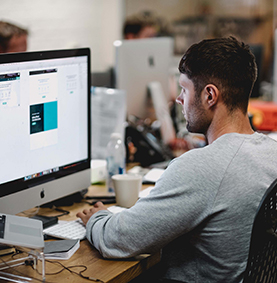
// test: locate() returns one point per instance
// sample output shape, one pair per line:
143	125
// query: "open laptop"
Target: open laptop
21	231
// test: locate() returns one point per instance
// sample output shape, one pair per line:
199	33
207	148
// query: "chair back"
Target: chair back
262	258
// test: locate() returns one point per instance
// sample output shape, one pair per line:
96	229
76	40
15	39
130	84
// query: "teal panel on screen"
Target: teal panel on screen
50	115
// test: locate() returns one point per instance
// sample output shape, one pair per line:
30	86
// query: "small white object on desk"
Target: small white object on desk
127	188
116	209
153	175
98	170
138	170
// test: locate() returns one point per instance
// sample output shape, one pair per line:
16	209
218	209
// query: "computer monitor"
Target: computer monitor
139	62
258	51
142	69
45	127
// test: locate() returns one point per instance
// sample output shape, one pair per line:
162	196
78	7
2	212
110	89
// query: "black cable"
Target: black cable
65	212
99	197
74	272
29	263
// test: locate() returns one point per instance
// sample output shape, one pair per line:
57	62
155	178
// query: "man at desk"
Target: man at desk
201	211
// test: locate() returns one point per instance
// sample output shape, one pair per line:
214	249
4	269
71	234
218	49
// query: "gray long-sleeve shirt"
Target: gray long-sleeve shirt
200	212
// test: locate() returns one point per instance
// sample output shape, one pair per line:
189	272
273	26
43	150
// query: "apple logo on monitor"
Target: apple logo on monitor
151	61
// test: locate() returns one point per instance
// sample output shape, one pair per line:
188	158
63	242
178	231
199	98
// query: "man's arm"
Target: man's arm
180	201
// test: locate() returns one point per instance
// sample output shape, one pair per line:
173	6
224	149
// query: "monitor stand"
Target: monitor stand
67	200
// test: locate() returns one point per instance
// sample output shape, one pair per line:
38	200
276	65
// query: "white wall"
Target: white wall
58	24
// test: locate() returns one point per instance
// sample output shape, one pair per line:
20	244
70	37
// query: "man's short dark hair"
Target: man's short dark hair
226	63
7	31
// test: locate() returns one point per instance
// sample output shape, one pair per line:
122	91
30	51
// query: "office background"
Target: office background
56	24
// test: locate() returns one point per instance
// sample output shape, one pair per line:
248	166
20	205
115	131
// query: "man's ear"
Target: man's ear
211	95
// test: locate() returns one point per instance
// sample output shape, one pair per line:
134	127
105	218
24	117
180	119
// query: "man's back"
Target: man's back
200	212
232	175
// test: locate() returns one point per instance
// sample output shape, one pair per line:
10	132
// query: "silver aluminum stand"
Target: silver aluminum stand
33	255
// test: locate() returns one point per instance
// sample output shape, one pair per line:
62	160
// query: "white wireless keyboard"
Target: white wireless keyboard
69	230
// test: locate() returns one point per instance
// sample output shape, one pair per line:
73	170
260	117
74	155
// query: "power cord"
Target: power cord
64	212
80	273
69	268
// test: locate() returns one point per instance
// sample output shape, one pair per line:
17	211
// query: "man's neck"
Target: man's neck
236	122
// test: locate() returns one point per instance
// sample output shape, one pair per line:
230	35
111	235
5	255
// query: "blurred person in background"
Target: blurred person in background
12	38
145	25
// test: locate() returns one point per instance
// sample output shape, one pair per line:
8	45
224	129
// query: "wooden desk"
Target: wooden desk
97	267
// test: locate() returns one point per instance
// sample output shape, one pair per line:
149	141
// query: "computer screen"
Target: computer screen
258	51
138	63
45	126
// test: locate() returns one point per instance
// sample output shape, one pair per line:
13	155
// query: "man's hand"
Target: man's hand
87	213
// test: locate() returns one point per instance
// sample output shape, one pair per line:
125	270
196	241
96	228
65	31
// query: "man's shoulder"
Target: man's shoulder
217	152
223	149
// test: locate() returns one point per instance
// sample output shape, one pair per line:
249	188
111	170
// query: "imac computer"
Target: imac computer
142	69
45	127
138	63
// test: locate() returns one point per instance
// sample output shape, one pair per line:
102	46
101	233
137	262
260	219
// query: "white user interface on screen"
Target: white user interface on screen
40	134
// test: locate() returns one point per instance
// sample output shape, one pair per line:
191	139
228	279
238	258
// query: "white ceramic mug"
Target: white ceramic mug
127	188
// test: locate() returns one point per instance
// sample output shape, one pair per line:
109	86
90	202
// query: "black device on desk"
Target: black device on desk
149	149
103	199
47	221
